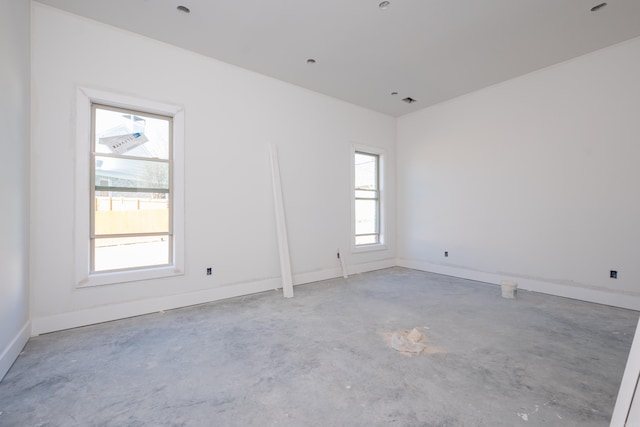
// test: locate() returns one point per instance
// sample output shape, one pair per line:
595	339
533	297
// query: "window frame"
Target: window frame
380	154
85	187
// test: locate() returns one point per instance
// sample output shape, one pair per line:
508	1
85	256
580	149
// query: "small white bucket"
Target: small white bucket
509	289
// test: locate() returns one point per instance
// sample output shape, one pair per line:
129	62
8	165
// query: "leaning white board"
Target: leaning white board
627	409
281	225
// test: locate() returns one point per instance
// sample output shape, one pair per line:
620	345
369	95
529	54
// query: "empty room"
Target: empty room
367	213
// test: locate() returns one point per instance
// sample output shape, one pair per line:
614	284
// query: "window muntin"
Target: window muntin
131	191
367	198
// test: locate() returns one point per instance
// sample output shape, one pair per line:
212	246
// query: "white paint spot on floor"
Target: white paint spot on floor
348	387
525	415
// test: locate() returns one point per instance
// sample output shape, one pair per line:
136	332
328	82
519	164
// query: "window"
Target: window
131	189
367	217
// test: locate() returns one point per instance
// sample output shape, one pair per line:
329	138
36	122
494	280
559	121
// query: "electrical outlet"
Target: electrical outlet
613	274
446	254
209	271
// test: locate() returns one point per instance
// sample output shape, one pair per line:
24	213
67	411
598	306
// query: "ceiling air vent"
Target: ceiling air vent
409	100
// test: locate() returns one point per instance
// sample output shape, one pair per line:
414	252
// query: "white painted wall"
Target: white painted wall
231	116
535	179
14	179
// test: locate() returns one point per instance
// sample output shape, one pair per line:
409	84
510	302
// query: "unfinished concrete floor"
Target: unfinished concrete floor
320	359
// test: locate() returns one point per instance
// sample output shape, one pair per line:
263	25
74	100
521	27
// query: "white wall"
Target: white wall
535	179
14	179
231	115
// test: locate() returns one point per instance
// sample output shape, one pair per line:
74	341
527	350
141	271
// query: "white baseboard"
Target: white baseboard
316	276
574	292
11	352
332	273
371	266
90	316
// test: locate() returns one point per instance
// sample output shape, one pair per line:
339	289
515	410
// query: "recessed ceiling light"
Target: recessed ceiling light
184	9
311	61
384	5
598	7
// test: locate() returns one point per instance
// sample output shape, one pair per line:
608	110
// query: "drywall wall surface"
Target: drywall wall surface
231	117
14	178
534	179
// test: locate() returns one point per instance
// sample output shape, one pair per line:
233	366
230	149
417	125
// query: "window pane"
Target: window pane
119	132
367	240
131	213
136	175
366	171
366	216
128	252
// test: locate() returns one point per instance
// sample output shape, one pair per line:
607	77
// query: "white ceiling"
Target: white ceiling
430	50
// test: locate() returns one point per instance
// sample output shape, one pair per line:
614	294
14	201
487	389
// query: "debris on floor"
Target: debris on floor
509	289
409	342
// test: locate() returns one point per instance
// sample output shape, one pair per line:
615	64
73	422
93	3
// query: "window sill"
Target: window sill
369	248
114	277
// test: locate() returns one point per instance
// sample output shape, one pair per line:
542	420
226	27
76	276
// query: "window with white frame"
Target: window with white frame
366	204
131	202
